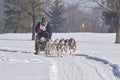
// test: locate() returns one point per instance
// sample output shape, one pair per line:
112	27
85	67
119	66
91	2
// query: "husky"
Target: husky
72	45
60	47
48	48
54	45
66	45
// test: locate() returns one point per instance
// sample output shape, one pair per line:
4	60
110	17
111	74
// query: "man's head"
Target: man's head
43	21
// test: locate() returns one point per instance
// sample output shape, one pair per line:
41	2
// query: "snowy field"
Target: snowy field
96	58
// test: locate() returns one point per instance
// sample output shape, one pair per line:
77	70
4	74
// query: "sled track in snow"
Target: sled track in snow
76	69
115	67
91	66
79	62
67	70
70	68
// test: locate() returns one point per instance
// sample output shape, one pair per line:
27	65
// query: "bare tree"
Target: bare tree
77	17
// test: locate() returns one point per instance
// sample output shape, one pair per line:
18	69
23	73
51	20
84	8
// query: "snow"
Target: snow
96	58
53	71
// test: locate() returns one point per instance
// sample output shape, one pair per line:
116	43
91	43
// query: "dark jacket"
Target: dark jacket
48	28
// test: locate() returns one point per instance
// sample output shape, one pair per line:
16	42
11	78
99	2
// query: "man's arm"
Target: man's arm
48	29
37	27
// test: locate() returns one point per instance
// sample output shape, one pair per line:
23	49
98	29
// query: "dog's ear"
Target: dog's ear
66	40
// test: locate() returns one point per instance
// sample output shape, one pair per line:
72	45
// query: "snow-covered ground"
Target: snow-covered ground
96	58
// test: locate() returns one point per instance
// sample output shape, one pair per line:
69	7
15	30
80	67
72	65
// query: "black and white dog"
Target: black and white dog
72	45
60	47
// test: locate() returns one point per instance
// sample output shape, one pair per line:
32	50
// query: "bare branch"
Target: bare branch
102	6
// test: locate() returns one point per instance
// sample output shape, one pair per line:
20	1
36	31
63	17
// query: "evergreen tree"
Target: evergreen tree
56	15
13	18
1	21
110	19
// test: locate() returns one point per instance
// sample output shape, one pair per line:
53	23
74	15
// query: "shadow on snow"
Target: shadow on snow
14	51
115	67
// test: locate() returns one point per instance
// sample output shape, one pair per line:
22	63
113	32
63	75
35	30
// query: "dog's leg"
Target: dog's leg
58	53
61	53
65	49
70	51
73	51
45	50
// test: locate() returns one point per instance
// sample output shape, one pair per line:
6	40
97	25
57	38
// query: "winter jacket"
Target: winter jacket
48	28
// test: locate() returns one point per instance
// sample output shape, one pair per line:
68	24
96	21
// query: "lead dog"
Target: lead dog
72	45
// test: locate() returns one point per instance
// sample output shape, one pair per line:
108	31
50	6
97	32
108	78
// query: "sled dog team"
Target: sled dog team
60	46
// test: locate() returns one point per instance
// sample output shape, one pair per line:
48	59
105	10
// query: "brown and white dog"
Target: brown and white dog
60	47
66	45
54	45
49	48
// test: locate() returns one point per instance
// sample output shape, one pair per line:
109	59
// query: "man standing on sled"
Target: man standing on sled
43	29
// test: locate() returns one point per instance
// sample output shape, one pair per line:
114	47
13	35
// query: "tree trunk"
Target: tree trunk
118	34
15	30
33	28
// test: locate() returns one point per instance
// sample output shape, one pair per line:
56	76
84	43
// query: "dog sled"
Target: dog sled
40	44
